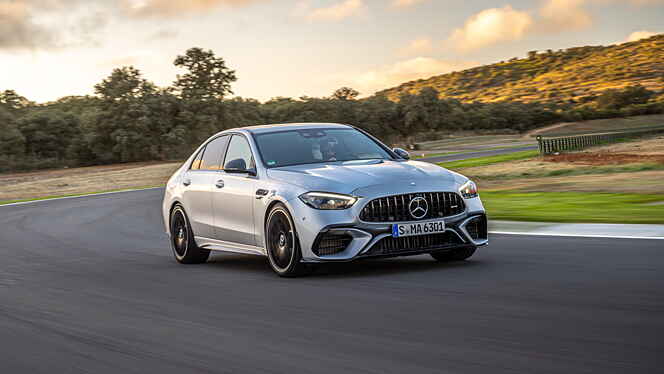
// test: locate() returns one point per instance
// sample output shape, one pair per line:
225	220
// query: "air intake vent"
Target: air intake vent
390	245
477	228
403	208
330	244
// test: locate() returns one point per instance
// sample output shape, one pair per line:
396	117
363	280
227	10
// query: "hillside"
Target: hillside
553	76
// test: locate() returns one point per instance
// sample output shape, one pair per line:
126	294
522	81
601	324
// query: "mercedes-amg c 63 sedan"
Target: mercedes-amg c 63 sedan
311	193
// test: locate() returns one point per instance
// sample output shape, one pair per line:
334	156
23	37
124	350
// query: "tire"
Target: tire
282	244
454	255
183	244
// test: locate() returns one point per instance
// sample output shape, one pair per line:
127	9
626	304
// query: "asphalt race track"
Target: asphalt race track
89	285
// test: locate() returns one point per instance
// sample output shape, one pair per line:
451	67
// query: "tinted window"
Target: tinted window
196	164
213	153
239	154
317	145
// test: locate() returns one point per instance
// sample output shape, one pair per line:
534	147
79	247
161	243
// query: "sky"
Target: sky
294	48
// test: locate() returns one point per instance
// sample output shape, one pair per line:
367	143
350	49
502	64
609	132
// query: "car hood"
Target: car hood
367	176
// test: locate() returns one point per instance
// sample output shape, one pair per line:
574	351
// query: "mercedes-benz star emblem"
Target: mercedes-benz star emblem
418	207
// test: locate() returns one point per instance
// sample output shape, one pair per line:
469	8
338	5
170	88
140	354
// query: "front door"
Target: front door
234	195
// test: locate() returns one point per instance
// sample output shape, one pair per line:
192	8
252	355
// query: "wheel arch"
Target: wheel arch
268	209
266	213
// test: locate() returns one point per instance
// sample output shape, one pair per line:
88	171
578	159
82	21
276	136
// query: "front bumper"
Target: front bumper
369	239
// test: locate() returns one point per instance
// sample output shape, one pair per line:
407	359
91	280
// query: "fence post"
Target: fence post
539	145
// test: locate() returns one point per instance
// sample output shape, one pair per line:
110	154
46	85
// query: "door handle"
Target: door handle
219	184
260	193
186	182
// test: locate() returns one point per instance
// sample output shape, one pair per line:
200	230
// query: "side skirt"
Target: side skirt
223	246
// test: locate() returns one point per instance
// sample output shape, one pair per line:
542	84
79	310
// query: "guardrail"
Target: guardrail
574	143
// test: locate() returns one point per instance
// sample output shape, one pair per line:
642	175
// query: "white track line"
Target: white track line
78	196
576	235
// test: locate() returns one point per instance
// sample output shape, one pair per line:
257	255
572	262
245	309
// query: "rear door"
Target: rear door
198	186
234	196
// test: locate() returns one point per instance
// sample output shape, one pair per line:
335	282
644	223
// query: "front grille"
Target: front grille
330	244
396	208
390	245
477	228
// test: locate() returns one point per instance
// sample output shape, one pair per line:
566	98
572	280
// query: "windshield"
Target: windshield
310	146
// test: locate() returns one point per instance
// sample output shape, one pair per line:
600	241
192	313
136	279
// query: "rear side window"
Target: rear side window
214	151
196	164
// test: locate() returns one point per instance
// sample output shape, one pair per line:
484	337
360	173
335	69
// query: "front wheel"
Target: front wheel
282	244
184	246
454	255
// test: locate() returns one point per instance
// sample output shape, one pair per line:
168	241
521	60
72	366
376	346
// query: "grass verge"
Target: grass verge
74	195
489	160
574	207
589	170
468	151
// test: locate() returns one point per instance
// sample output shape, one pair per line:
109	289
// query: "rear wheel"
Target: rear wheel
184	247
454	255
282	244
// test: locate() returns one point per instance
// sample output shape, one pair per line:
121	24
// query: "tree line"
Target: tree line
131	119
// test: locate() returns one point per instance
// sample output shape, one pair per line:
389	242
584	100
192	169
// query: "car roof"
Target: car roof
263	129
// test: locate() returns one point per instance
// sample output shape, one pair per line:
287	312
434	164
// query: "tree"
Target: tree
48	133
13	142
613	99
120	129
207	77
345	93
125	83
13	101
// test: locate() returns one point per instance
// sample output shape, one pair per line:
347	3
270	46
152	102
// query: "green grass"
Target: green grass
438	154
588	170
574	207
468	151
74	195
489	160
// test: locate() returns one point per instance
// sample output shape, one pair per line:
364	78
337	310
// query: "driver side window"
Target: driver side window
239	154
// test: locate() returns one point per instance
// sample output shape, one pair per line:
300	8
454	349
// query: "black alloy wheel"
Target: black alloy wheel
283	248
184	247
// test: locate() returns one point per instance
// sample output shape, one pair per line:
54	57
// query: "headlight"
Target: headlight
468	190
328	201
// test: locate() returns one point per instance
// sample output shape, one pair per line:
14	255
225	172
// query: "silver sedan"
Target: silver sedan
301	194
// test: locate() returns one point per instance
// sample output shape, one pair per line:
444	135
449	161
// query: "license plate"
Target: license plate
417	228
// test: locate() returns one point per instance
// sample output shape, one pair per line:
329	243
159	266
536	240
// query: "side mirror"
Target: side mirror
402	153
239	166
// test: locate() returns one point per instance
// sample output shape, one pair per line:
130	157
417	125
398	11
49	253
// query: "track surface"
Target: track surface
89	285
469	155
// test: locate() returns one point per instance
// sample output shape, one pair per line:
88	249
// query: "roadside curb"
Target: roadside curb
588	230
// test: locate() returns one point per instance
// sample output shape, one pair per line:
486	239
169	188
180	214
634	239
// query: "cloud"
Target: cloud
416	68
17	28
563	15
638	35
491	26
163	35
417	47
173	8
645	2
47	24
336	12
406	3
